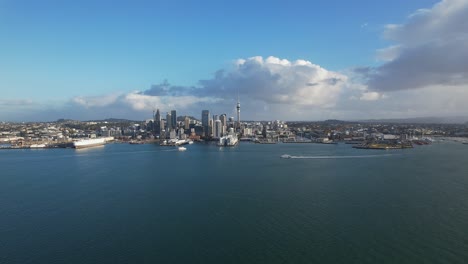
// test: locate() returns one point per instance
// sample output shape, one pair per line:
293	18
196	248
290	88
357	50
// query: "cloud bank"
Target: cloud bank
429	50
278	81
267	87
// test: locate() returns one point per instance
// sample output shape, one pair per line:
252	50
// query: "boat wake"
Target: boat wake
169	150
286	156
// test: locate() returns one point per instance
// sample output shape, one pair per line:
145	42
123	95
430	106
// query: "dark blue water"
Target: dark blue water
149	204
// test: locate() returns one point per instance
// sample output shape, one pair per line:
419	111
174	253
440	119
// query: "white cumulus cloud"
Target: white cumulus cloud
277	81
142	102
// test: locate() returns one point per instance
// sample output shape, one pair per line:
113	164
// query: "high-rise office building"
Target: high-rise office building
168	122
213	126
157	123
217	127
223	119
174	119
210	127
187	123
206	121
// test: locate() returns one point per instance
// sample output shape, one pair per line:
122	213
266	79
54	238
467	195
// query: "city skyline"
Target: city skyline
302	61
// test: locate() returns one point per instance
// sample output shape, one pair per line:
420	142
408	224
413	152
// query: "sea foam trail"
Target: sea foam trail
340	157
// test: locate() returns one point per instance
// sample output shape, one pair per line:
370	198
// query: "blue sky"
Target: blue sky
53	51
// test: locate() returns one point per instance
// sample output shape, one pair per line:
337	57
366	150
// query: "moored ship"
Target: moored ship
38	146
86	143
228	141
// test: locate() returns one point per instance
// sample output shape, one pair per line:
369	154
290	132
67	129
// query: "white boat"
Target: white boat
38	146
286	156
175	142
182	148
86	143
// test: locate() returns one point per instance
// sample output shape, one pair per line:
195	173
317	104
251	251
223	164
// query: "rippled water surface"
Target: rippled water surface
149	204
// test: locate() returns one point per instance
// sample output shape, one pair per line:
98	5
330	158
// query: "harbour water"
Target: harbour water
125	203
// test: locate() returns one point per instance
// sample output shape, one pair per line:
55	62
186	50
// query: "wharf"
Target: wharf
48	146
383	146
265	142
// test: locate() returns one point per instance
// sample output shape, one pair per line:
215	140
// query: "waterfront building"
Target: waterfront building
247	132
172	134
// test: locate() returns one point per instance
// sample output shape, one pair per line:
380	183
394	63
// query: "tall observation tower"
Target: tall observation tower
238	113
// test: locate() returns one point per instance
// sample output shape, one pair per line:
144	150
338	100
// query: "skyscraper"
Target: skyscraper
206	121
223	119
187	123
210	128
157	123
168	122
174	119
217	127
